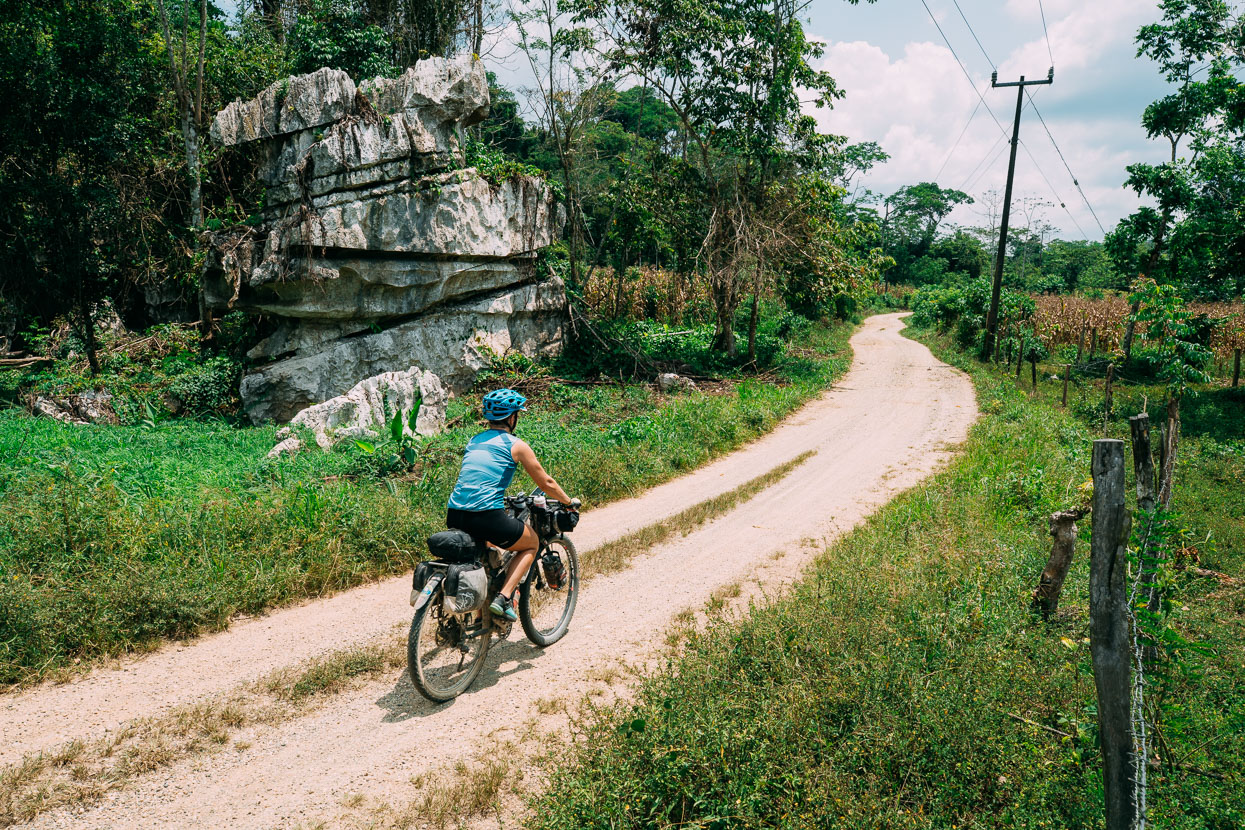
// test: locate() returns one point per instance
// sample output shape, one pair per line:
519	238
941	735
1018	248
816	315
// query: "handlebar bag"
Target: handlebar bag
567	520
453	546
466	588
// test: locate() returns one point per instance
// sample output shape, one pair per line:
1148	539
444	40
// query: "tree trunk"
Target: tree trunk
87	321
1050	585
725	305
1147	500
478	25
1109	641
752	329
1130	329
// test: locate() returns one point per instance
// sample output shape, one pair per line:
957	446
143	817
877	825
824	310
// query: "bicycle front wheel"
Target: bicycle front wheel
544	611
445	652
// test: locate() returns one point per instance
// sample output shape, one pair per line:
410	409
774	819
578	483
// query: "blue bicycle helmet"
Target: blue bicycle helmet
500	404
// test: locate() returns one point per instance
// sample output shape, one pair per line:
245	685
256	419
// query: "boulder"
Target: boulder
670	382
364	411
456	213
288	446
89	407
51	408
454	89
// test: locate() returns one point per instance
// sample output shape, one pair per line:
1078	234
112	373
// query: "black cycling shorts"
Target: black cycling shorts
495	526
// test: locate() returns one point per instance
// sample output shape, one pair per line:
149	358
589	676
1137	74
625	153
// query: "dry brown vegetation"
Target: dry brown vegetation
1064	321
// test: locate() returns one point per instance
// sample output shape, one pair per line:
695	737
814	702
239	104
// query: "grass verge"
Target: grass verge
903	682
616	555
114	538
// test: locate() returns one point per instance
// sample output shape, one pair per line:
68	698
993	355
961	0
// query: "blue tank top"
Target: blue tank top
488	469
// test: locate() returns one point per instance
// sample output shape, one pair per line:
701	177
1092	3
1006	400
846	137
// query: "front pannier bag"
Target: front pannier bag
453	546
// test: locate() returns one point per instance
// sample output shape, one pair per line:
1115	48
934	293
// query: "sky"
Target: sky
905	91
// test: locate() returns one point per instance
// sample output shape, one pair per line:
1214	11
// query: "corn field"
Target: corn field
1099	324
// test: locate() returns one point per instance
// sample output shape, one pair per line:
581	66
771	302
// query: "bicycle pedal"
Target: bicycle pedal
503	628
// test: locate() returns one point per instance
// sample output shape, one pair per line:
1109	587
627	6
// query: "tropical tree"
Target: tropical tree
1170	330
1198	45
732	72
77	91
910	223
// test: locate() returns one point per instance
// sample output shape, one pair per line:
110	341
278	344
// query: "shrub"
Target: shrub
206	387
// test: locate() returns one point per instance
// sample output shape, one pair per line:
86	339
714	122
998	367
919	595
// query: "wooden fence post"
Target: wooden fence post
1050	585
1236	368
1147	500
1109	641
1106	400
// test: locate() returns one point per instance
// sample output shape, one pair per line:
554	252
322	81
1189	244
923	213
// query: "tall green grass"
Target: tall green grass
903	683
113	538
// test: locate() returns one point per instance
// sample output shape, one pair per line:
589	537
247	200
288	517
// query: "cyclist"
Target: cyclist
477	504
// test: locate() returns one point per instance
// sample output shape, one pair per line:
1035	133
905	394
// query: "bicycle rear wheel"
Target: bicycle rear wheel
546	612
445	652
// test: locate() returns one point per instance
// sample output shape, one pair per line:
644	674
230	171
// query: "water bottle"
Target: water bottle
539	501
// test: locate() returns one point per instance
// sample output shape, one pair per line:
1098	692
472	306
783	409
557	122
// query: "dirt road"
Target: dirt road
885	426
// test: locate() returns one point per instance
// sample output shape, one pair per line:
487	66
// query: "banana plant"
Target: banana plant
401	445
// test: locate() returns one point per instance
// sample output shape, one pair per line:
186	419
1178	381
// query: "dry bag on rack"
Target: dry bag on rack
453	546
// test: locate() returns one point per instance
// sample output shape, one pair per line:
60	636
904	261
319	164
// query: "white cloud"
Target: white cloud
916	105
1079	34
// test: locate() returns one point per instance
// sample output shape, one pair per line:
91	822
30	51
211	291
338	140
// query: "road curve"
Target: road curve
886	425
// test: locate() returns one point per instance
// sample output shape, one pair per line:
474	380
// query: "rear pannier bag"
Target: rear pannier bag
466	588
453	546
422	571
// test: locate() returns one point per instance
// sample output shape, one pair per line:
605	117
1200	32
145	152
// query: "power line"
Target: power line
986	163
1071	175
960	64
974	34
957	141
993	117
1049	53
1053	191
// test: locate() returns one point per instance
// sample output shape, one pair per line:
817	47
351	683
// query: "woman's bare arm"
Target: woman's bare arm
523	454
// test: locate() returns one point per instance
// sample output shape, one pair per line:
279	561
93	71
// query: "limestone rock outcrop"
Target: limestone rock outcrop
376	249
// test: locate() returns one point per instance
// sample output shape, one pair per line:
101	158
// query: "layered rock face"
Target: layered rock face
377	250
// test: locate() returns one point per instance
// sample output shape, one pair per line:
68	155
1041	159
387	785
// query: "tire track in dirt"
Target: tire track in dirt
886	426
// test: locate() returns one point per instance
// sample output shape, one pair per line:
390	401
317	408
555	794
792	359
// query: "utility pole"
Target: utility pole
992	319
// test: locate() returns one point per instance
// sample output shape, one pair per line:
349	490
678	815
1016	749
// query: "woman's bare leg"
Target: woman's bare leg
524	556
